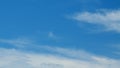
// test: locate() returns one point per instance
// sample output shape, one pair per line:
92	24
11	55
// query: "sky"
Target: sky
59	33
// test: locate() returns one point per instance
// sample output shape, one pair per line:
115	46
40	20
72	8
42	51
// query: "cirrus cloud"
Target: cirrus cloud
51	57
12	58
108	19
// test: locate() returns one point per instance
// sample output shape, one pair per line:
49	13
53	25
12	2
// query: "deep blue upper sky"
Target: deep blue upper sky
36	18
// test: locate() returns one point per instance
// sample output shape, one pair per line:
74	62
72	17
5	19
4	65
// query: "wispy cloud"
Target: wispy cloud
56	57
23	44
108	19
53	36
12	58
19	42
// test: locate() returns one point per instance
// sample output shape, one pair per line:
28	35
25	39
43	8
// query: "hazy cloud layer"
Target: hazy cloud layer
55	57
12	58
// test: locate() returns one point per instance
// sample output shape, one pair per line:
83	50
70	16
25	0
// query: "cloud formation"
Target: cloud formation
12	58
108	19
55	57
19	42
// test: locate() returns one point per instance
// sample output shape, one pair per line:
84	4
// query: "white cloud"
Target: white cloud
55	57
12	58
110	20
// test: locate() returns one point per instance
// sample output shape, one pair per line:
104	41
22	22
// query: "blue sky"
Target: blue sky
60	28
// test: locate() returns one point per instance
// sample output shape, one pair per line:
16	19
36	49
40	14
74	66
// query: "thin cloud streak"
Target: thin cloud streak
19	42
